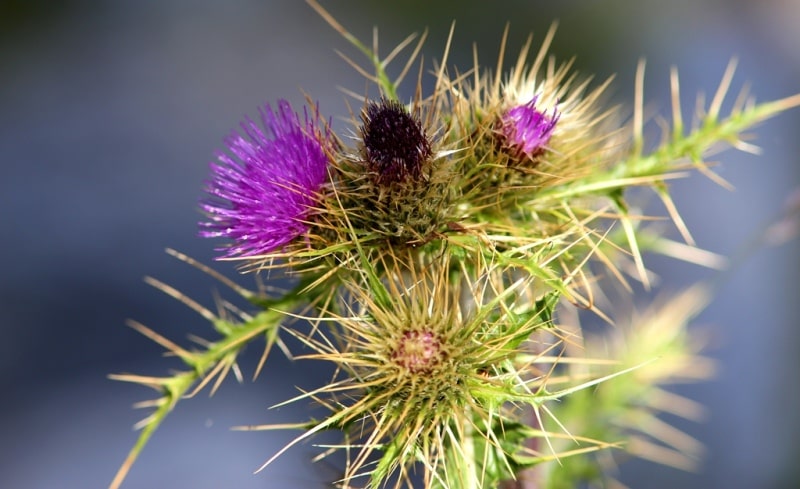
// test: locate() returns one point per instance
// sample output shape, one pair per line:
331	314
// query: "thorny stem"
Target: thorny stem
640	170
215	360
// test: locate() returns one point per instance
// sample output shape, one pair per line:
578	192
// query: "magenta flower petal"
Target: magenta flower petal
526	130
261	195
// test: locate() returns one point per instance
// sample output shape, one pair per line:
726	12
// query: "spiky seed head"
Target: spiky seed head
395	144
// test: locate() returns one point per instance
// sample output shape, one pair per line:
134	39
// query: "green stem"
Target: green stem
692	146
470	472
217	355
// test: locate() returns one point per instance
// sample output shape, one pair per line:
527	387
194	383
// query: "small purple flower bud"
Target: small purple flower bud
261	197
418	351
395	143
525	130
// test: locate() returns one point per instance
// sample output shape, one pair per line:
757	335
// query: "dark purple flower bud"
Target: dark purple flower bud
395	143
261	197
525	130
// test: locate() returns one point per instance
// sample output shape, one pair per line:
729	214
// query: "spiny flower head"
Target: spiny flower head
425	354
540	110
395	144
525	129
261	197
397	183
529	135
581	136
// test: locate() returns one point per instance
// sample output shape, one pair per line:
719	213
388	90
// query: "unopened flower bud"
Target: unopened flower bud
395	144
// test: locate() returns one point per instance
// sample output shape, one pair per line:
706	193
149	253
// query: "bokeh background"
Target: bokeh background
110	112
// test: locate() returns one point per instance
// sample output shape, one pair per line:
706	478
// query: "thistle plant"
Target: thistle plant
444	250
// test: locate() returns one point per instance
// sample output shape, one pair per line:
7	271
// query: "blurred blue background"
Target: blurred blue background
110	112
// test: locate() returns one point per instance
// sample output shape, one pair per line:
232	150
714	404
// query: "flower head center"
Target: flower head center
418	351
525	130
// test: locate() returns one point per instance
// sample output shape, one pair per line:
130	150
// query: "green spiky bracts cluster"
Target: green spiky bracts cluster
438	251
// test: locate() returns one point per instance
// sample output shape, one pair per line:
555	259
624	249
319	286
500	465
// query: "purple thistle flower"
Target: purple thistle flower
526	130
261	198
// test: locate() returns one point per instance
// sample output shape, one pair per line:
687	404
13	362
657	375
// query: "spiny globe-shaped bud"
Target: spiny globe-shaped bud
418	351
395	144
524	130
